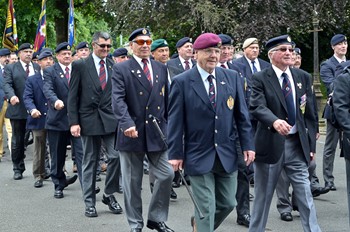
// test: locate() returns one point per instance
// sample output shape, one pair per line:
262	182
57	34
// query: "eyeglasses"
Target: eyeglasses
142	41
291	50
214	51
104	45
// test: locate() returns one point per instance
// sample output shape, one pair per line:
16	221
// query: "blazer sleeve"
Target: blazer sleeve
48	87
28	96
327	75
341	100
73	96
8	82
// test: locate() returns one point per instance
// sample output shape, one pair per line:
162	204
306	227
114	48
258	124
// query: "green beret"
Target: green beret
158	44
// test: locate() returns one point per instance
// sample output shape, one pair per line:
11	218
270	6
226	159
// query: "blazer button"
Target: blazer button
158	107
216	131
216	117
141	93
216	144
146	122
146	107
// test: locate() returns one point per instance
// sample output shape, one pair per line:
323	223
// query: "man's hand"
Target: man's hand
249	157
59	105
312	156
14	100
131	132
317	136
281	126
75	130
35	113
176	164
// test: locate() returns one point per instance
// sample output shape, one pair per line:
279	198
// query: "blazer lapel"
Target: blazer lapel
199	88
61	75
137	71
273	79
40	81
93	72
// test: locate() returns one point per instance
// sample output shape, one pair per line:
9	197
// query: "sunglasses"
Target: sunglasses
142	41
104	45
285	49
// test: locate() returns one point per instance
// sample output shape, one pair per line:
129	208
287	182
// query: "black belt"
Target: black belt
289	136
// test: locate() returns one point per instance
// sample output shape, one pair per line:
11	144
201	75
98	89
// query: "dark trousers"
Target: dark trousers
242	195
17	144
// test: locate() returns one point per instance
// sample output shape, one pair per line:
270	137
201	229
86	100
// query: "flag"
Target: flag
71	23
40	38
10	39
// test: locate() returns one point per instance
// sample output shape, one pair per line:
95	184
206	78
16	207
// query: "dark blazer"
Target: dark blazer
15	78
341	67
240	69
56	88
193	120
34	98
88	105
2	93
133	100
263	64
267	104
175	67
341	102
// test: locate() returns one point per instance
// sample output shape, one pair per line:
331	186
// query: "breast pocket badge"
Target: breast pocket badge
230	102
303	103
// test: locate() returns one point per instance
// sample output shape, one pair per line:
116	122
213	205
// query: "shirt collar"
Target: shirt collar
204	74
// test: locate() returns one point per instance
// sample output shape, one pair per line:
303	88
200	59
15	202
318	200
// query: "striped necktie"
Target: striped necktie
211	90
102	75
146	70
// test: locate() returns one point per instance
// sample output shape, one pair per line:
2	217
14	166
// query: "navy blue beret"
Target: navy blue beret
44	54
5	52
82	45
274	42
297	51
25	46
182	41
35	55
120	52
139	31
225	39
47	49
338	38
62	46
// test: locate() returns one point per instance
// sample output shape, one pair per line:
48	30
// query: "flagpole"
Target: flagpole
10	39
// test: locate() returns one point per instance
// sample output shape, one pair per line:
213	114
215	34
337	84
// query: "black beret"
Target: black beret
225	39
4	52
274	42
25	46
46	49
82	45
297	51
137	32
62	46
44	54
338	38
35	55
120	52
159	43
182	41
74	53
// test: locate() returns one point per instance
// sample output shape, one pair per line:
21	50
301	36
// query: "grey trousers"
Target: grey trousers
332	137
266	176
91	150
39	154
132	173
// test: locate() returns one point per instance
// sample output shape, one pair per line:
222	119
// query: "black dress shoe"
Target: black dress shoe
71	180
173	194
38	184
286	217
112	203
318	191
331	187
158	226
90	211
58	194
243	220
136	230
17	176
97	190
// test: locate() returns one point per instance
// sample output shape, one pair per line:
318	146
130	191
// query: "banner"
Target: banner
40	38
71	24
10	39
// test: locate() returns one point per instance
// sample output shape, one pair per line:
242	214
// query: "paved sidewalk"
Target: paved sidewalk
27	209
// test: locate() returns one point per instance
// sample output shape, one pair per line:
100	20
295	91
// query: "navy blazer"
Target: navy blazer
56	88
133	100
263	65
327	73
197	132
342	67
15	78
88	105
267	104
175	67
34	98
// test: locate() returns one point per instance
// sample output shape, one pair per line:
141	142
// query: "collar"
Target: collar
204	74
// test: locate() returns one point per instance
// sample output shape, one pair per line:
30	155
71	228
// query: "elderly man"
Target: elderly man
184	61
15	77
120	55
82	50
206	146
160	50
140	91
282	102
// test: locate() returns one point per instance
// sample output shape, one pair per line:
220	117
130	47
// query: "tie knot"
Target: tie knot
144	61
210	78
102	62
284	75
186	62
253	61
67	69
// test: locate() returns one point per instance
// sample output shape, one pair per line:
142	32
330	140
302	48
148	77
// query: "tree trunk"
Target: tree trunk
61	23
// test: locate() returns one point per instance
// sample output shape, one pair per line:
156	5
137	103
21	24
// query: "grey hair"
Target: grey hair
100	34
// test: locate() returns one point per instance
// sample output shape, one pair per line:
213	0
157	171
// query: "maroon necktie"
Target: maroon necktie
102	75
67	74
223	66
146	70
27	69
187	65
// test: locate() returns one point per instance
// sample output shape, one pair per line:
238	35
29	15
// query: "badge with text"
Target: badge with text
303	103
230	102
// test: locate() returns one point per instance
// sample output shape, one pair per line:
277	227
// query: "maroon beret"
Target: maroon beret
207	40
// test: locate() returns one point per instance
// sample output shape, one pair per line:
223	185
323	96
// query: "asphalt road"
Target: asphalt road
24	208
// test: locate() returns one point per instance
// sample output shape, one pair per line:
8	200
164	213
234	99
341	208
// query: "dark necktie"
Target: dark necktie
102	75
288	95
223	65
146	70
254	68
212	91
187	65
67	74
27	69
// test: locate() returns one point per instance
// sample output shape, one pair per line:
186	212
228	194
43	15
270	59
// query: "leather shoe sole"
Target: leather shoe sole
243	220
320	191
71	180
113	204
90	212
58	194
286	217
158	226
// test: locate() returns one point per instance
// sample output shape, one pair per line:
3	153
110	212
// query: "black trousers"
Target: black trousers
17	144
